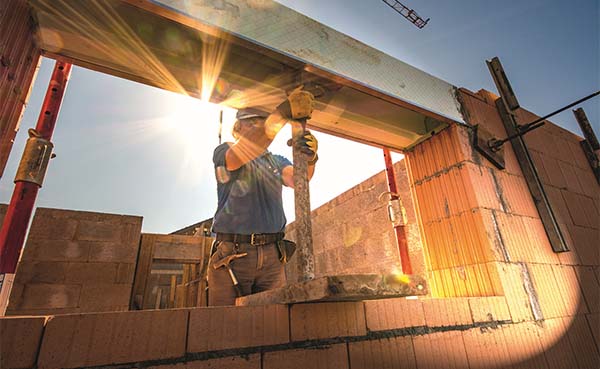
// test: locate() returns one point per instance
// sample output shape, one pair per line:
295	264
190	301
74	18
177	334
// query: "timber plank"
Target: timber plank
144	264
178	249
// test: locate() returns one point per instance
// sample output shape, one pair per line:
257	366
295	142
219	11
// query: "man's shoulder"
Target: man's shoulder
224	145
219	153
222	148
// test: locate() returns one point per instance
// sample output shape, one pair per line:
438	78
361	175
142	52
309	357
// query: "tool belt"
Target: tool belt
255	239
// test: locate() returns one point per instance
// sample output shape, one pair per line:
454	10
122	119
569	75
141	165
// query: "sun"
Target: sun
194	127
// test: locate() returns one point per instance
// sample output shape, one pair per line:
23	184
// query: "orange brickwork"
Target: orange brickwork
451	191
396	353
460	333
477	219
213	329
327	320
557	285
78	340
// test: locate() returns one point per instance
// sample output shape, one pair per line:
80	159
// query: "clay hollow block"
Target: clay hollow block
19	341
94	339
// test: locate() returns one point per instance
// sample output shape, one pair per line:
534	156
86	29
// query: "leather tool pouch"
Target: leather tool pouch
286	250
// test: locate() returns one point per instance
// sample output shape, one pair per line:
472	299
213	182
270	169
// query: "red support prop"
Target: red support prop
18	214
399	228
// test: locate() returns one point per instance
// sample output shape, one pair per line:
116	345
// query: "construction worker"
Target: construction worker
249	251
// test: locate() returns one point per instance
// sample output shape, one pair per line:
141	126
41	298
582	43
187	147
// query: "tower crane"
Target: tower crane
407	13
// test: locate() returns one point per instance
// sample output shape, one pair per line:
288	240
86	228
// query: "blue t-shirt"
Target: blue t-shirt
249	198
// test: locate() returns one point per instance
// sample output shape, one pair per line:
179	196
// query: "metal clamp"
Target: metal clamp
34	163
396	211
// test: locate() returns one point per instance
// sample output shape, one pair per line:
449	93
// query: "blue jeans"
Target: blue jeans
258	271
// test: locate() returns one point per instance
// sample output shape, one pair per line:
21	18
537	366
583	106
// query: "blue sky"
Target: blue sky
126	148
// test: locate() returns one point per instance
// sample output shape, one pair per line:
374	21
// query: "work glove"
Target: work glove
308	145
298	105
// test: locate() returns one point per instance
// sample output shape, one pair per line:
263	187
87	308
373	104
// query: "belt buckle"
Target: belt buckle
252	239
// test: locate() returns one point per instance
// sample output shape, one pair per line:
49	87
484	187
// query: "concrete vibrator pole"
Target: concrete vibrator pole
302	206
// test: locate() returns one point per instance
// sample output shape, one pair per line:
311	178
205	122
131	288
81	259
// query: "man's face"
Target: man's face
247	125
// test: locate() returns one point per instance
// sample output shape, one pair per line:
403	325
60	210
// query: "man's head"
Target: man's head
247	117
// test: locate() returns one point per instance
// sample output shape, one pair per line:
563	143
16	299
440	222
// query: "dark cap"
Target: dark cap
247	113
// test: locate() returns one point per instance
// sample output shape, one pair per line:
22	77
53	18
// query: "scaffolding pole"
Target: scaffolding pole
29	180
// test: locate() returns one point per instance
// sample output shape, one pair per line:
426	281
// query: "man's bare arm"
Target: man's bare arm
287	174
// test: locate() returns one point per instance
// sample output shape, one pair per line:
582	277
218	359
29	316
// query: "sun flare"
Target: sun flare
194	127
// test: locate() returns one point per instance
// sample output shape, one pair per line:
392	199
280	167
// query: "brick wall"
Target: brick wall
569	183
452	192
352	233
482	232
453	333
557	284
76	261
572	189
